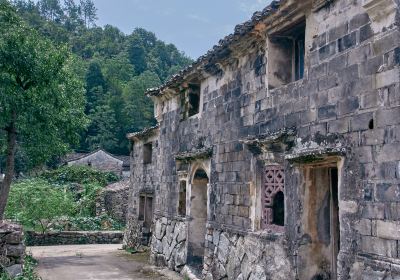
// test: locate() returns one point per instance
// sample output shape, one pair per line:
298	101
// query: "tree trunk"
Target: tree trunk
11	147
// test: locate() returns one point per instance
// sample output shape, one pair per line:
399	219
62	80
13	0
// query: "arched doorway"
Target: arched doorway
198	219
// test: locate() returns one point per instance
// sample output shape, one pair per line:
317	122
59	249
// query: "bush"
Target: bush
86	203
80	175
35	203
103	222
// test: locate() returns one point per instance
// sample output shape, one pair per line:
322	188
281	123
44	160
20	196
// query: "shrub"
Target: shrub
86	204
35	203
103	222
80	175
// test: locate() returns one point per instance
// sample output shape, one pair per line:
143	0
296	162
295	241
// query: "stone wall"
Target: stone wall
12	248
168	245
344	114
113	201
73	237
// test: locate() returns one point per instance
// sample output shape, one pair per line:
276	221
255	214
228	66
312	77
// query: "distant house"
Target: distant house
100	160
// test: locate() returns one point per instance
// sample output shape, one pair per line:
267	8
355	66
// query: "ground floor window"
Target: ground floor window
182	199
273	198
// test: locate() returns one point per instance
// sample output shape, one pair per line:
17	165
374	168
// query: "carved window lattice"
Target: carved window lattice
274	182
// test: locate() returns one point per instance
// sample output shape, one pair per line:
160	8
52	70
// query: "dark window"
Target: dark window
182	199
147	153
190	101
142	203
194	99
278	209
286	55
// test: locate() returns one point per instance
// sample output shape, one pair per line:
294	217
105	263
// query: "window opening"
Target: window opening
142	202
273	196
190	101
147	153
182	199
286	54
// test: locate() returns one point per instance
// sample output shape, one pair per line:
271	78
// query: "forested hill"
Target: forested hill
116	68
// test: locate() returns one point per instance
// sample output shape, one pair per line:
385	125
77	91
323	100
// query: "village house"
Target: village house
101	160
277	154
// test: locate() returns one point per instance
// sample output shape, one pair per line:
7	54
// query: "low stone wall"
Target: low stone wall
228	255
73	238
12	248
168	244
253	256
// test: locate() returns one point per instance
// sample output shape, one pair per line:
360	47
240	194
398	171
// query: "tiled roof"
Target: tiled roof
219	49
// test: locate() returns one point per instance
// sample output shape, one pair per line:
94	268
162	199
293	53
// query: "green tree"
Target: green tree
51	9
72	14
102	129
89	12
41	100
139	108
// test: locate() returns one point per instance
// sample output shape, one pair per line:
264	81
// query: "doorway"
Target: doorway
146	216
198	220
320	222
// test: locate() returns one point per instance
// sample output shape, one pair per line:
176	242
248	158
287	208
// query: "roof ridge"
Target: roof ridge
239	30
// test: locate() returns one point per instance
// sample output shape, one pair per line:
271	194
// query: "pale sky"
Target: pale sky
194	26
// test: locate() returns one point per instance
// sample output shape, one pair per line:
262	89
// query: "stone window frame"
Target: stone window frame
286	33
184	103
257	209
273	182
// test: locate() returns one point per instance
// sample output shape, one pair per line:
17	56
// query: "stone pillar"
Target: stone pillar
12	248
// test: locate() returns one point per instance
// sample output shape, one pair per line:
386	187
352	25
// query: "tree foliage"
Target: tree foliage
116	68
41	98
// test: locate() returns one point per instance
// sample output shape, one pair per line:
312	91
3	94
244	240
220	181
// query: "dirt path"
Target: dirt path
91	262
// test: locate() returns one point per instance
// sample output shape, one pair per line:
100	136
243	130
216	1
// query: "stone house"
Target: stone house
101	160
277	154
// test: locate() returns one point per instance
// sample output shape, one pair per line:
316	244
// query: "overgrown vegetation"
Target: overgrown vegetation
62	199
28	272
79	175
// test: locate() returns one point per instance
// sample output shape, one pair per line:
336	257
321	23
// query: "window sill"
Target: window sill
287	85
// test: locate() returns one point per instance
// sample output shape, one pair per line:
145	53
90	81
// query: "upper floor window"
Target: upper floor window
273	198
286	52
190	104
147	153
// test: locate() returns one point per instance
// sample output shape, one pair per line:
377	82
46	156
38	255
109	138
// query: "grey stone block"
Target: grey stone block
366	32
373	211
386	117
361	121
348	105
327	51
327	112
347	41
337	32
358	21
387	192
379	246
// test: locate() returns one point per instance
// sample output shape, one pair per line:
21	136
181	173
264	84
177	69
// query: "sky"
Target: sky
194	26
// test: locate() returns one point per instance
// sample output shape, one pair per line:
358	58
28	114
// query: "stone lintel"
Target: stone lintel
189	156
315	155
144	134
